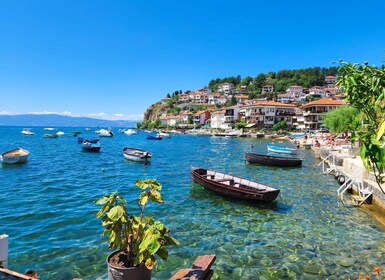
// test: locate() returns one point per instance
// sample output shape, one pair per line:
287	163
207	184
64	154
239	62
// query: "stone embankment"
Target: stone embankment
346	164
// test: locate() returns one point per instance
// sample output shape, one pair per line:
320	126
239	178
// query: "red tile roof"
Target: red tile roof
323	102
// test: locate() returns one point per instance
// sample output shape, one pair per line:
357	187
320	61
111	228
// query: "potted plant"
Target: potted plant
135	238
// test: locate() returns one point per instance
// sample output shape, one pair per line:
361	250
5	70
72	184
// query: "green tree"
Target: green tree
364	87
282	125
343	119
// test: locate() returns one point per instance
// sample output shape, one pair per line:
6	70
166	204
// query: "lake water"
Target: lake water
47	209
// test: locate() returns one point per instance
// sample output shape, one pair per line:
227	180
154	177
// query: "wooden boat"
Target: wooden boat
157	137
136	154
18	155
91	145
233	186
280	149
272	160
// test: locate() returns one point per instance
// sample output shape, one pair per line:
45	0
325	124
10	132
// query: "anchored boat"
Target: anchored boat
18	155
233	186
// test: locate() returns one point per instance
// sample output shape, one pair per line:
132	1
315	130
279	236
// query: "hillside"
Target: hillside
59	120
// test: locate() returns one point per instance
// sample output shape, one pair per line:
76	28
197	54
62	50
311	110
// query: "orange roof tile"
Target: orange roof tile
324	101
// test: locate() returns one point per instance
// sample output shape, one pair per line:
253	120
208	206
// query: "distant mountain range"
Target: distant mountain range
53	120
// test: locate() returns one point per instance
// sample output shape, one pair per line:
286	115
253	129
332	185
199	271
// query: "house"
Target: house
226	88
170	120
330	92
232	114
285	98
294	90
198	97
184	97
185	117
165	100
241	99
201	117
330	79
267	113
214	98
314	111
317	91
218	120
267	88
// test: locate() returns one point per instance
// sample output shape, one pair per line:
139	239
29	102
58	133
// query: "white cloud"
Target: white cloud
5	113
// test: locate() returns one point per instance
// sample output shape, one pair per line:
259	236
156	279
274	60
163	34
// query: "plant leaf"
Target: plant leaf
380	131
115	213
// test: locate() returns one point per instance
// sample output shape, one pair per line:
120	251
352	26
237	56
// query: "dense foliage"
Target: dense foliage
343	119
281	80
364	86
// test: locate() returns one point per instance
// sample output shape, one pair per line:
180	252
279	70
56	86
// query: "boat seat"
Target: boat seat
225	180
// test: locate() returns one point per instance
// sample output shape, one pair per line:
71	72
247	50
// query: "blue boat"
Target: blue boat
157	137
280	149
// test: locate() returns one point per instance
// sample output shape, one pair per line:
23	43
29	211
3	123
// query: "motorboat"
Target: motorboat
27	131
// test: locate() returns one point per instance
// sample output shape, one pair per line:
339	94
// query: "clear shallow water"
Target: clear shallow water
47	209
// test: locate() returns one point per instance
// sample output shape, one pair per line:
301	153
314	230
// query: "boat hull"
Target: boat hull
272	160
136	154
280	150
14	156
231	186
91	145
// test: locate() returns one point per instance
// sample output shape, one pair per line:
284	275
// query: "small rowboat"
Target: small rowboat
272	160
233	186
280	149
18	155
136	154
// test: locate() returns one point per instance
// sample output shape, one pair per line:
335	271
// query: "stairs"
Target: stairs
363	194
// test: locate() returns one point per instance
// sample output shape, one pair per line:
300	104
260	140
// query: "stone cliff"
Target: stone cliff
154	112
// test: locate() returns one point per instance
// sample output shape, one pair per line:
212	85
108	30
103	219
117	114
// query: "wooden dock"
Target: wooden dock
201	269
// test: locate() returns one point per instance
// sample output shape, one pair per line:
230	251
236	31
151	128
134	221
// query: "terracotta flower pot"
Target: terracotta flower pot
140	272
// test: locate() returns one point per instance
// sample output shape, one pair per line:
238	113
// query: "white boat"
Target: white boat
104	133
18	155
164	135
130	132
136	154
60	133
27	131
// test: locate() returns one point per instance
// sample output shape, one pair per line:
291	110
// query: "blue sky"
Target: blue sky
112	59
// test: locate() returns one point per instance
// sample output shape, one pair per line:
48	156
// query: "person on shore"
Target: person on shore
317	144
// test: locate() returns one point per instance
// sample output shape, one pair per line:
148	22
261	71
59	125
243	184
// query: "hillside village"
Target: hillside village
301	108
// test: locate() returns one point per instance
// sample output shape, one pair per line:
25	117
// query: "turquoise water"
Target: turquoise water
47	209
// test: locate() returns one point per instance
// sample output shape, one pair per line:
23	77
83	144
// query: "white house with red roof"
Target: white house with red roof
267	88
184	97
313	111
213	98
330	79
226	88
218	120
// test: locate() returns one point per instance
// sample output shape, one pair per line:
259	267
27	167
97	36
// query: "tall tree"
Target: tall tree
364	86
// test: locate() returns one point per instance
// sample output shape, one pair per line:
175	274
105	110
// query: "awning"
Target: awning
250	125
